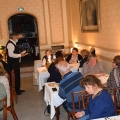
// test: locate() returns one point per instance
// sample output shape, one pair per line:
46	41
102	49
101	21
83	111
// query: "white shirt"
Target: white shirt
11	49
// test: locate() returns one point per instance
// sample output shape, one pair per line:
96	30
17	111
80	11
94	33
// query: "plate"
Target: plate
53	84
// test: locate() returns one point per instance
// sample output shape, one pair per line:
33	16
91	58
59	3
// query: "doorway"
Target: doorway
26	26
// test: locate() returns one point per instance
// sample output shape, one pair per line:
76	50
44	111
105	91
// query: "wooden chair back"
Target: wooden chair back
117	99
4	106
83	99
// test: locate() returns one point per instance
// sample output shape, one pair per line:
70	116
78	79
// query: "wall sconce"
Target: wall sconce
21	8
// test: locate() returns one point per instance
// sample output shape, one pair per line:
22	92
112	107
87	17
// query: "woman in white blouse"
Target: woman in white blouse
5	82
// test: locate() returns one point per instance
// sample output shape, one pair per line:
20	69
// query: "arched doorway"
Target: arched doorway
26	26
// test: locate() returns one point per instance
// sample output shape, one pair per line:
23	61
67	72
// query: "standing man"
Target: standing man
13	57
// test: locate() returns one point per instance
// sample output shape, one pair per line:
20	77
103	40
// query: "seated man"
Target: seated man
69	83
2	95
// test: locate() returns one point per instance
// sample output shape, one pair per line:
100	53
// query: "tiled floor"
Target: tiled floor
31	104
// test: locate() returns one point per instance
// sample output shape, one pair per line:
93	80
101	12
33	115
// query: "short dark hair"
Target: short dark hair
13	34
116	60
91	80
75	49
59	54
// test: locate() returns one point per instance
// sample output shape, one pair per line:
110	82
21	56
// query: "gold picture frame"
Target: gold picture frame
90	15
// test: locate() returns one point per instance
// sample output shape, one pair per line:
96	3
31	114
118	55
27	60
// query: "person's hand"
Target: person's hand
100	74
70	61
80	114
23	54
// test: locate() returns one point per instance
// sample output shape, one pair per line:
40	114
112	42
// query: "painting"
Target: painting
90	15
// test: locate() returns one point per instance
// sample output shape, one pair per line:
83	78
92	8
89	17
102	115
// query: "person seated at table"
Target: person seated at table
57	55
100	103
5	82
92	66
114	79
55	75
74	57
69	83
2	95
48	57
92	51
85	53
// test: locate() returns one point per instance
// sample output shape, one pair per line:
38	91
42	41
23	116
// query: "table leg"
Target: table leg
57	109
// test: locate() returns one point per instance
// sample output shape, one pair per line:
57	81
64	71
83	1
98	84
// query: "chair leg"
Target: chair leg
15	96
57	112
69	115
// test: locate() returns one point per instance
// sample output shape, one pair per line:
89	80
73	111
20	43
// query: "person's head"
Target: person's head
14	37
92	50
59	54
57	61
63	67
74	51
91	84
2	71
84	53
48	52
1	57
92	60
116	61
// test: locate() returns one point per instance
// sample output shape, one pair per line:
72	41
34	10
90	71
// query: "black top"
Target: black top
55	75
83	61
47	58
69	57
6	66
12	61
50	66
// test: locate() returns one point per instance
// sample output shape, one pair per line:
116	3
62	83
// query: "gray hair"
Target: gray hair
64	68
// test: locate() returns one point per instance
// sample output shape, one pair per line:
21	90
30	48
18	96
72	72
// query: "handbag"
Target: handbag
47	109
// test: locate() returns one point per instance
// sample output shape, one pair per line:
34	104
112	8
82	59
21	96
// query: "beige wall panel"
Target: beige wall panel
56	21
33	7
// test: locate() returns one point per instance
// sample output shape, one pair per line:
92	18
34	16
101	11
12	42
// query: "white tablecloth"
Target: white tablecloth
42	76
111	118
104	78
52	98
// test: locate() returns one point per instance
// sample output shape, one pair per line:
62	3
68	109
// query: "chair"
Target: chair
82	98
116	91
13	96
4	106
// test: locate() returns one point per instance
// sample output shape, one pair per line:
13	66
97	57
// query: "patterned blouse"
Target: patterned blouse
5	82
114	82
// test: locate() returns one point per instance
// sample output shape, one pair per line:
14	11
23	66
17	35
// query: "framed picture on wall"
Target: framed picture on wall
90	15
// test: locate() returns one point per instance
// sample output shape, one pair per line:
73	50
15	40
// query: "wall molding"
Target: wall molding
104	58
102	48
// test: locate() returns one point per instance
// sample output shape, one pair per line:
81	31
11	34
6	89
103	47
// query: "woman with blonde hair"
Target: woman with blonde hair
92	66
85	53
100	102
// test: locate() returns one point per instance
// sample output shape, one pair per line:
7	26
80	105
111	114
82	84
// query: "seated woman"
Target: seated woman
100	103
92	51
85	54
55	75
92	66
2	95
47	58
114	79
5	82
74	57
57	55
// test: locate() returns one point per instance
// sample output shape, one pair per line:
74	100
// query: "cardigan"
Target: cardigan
101	106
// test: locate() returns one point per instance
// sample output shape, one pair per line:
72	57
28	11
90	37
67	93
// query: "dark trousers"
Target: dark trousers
16	69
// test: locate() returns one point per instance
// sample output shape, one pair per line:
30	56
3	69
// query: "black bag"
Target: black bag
47	109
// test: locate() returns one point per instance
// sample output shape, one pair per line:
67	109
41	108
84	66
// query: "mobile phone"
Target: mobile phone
54	89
